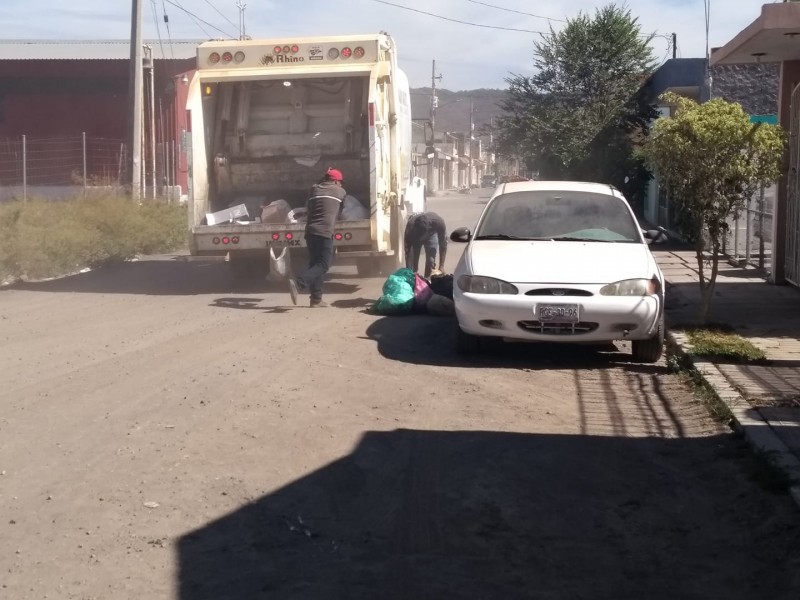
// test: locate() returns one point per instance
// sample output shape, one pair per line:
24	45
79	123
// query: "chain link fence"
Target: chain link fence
61	167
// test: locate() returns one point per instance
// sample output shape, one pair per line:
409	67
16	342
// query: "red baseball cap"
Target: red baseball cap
334	174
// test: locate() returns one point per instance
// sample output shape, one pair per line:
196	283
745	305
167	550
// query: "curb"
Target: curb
756	430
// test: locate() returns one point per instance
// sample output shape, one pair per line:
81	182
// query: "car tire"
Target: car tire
466	343
650	350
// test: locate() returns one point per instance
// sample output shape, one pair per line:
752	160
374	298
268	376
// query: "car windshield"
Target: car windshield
558	215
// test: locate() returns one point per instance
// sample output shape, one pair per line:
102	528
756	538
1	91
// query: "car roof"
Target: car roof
559	186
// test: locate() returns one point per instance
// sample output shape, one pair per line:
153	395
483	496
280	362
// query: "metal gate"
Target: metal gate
793	193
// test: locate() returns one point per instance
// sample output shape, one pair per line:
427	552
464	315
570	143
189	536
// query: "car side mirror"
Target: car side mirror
461	234
656	236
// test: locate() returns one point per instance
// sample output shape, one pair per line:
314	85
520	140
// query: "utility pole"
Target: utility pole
134	162
434	99
241	8
433	186
149	63
469	141
674	45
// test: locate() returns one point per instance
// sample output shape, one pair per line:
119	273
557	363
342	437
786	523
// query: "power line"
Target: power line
429	14
169	35
195	18
221	14
519	12
158	29
458	21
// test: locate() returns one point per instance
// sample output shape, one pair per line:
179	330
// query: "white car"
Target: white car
559	261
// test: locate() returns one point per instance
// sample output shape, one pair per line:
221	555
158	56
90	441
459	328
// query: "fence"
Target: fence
58	167
749	239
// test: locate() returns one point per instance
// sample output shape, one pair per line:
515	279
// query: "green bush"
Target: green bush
41	238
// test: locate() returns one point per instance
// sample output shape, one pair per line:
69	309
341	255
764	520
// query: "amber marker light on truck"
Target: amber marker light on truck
358	52
213	58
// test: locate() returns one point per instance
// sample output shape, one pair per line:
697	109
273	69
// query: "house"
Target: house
754	86
774	38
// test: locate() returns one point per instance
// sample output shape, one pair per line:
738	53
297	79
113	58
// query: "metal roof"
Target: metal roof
93	49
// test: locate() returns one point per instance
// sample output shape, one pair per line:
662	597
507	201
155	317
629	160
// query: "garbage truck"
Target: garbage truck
266	119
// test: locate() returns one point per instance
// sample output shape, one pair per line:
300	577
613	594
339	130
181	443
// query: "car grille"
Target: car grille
557	328
562	292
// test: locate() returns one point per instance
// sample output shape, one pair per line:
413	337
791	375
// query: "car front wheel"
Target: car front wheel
650	350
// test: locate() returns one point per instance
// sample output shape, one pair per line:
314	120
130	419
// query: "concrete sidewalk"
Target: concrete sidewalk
764	398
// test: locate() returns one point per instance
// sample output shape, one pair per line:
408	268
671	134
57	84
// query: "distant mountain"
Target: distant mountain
453	112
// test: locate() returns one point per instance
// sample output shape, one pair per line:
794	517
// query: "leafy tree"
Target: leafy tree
712	160
580	115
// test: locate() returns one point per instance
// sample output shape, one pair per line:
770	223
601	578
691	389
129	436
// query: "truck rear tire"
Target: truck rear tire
247	268
298	261
376	266
368	267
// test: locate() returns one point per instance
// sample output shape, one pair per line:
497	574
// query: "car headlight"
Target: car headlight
632	287
479	284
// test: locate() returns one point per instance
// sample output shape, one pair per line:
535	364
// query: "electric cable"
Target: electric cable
169	35
158	29
519	12
195	18
221	14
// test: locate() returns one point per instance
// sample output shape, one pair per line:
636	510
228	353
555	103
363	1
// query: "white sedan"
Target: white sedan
559	261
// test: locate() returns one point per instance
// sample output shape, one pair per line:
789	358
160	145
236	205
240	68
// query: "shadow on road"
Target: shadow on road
423	339
168	277
476	514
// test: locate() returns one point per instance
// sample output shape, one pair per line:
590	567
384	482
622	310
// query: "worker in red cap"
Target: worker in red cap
324	205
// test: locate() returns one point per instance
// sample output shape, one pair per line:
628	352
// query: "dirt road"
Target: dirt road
165	436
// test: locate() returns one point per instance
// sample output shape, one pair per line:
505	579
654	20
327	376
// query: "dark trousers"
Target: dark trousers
431	245
320	257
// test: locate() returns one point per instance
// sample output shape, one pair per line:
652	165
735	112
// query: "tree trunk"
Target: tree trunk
707	284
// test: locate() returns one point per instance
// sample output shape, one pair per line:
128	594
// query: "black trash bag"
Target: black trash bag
442	285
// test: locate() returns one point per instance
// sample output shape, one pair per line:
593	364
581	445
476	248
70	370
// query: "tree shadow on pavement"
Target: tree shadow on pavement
424	339
411	514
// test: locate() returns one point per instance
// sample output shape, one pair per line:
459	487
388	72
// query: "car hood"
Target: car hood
559	262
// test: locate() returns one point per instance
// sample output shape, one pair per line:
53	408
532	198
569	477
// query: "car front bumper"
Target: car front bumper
600	318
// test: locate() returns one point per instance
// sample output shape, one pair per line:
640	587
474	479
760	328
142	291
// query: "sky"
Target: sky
475	44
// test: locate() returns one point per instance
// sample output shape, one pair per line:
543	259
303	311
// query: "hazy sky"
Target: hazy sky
475	44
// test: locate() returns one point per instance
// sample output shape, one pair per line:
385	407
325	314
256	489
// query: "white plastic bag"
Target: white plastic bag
280	265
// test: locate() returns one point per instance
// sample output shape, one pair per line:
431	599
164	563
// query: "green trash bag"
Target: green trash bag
398	294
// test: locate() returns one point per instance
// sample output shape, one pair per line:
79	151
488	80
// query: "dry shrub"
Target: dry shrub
41	238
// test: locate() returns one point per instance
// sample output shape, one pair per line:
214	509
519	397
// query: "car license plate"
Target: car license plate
558	313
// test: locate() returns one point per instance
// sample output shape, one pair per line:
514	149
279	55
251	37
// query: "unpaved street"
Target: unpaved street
166	435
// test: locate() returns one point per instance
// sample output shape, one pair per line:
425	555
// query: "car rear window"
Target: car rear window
544	214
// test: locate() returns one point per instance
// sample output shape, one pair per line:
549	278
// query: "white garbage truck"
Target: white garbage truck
267	118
